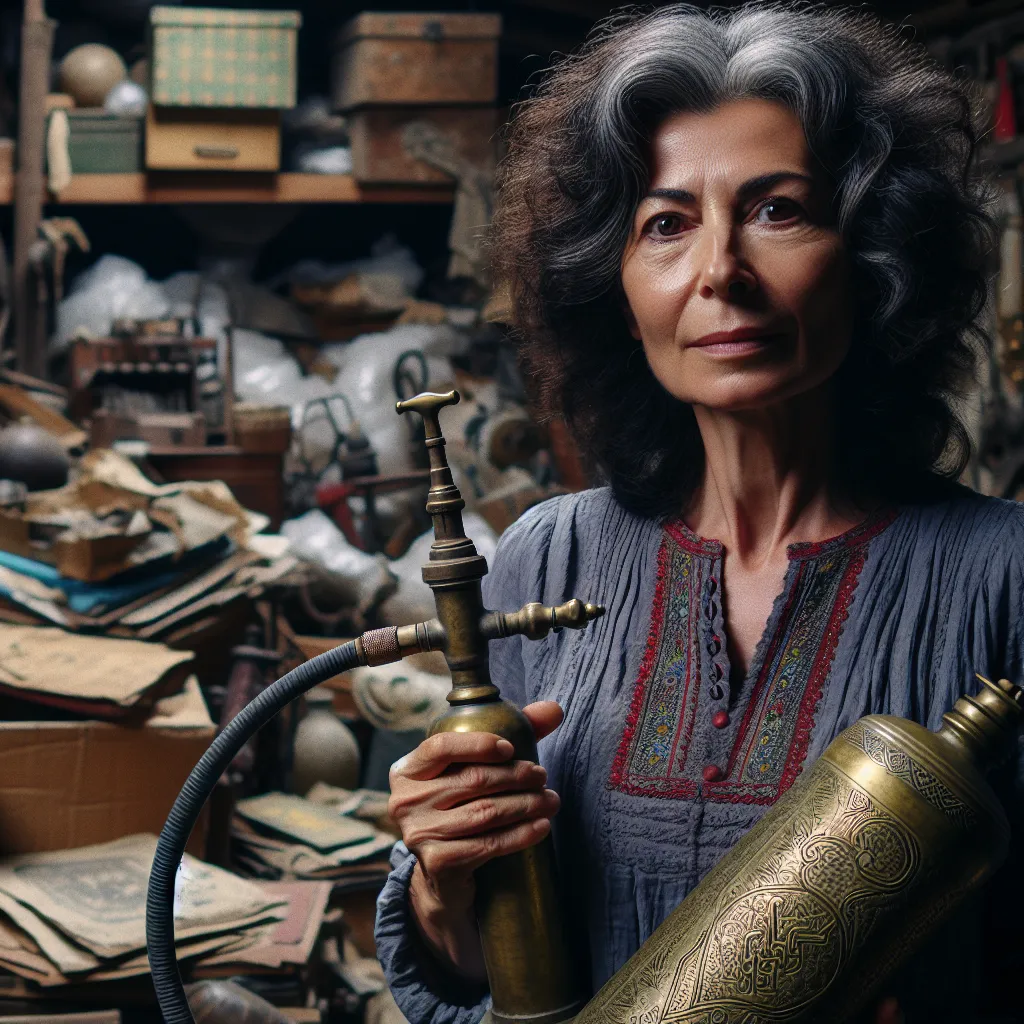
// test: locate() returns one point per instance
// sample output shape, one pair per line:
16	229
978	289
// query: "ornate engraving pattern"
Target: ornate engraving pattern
914	774
770	930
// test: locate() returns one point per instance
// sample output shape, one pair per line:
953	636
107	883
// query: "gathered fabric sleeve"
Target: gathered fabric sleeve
425	992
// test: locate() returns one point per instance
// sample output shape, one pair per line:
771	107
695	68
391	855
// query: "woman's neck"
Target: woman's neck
769	480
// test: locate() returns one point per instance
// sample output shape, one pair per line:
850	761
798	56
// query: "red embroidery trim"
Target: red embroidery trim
650	659
689	541
753	705
871	527
820	672
808	705
745	793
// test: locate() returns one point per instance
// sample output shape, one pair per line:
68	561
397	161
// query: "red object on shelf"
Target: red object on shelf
1005	127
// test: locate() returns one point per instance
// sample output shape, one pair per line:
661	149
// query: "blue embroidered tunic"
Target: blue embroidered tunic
665	758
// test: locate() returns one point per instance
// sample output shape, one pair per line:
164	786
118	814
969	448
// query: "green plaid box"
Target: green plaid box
205	57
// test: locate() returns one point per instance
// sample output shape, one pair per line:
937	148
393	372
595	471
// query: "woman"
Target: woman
747	266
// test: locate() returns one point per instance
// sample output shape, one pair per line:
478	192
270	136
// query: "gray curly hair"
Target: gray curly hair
895	132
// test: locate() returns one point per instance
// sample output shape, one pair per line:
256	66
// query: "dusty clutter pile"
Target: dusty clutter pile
111	551
112	570
72	926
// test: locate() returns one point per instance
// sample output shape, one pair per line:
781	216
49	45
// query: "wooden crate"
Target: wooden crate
423	59
197	138
380	156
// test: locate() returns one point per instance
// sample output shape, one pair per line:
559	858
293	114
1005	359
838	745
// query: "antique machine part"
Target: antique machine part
528	963
872	848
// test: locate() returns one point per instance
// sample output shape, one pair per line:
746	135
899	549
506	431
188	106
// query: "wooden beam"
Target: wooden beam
36	48
186	187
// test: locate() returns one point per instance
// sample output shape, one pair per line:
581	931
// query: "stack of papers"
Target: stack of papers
76	916
132	558
277	945
280	836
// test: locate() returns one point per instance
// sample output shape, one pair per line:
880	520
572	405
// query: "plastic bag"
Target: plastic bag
388	258
113	287
359	579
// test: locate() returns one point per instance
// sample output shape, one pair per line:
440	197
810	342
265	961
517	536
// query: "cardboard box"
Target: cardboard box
69	784
198	138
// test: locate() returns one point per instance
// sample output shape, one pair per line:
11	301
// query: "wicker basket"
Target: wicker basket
262	428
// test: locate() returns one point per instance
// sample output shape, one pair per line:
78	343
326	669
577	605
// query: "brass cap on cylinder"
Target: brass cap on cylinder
987	724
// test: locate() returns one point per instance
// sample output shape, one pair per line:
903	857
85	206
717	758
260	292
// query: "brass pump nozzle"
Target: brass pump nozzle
517	905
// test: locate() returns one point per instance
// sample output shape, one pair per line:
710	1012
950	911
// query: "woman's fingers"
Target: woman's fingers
477	780
487	814
545	716
439	752
410	797
466	855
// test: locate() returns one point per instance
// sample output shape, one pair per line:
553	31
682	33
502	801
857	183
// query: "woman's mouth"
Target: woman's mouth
742	341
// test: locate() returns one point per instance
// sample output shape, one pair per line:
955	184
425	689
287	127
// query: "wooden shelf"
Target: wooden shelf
231	187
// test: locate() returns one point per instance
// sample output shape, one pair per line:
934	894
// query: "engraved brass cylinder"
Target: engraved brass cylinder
830	891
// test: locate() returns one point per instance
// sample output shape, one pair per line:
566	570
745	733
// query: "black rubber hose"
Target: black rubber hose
170	848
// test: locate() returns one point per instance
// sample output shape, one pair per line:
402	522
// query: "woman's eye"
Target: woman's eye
665	225
778	211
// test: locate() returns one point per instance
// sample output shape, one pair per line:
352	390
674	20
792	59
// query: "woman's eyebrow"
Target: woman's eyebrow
747	189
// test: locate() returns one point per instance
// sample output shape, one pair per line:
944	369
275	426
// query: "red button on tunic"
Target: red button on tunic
720	719
712	773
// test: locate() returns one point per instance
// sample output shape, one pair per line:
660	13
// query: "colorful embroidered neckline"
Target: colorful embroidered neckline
859	534
669	748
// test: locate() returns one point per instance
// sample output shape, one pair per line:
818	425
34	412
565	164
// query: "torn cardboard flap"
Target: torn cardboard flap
46	662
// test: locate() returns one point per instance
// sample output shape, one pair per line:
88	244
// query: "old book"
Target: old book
93	900
314	825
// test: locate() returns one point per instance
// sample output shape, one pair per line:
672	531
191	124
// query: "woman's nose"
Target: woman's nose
723	271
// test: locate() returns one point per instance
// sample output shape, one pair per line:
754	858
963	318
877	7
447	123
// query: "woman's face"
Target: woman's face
735	275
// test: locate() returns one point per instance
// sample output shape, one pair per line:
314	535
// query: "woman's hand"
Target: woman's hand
460	801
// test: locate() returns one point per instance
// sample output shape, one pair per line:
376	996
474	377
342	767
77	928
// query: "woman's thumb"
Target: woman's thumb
545	716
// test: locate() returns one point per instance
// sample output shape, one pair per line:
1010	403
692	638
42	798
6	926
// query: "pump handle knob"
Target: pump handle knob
428	405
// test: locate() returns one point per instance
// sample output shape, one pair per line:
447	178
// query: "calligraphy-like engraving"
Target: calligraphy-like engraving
766	937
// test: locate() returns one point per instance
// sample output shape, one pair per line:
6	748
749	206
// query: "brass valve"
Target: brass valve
535	621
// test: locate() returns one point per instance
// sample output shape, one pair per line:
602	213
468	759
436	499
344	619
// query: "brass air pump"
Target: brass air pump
520	922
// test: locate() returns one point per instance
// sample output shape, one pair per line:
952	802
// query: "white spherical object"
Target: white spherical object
126	99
